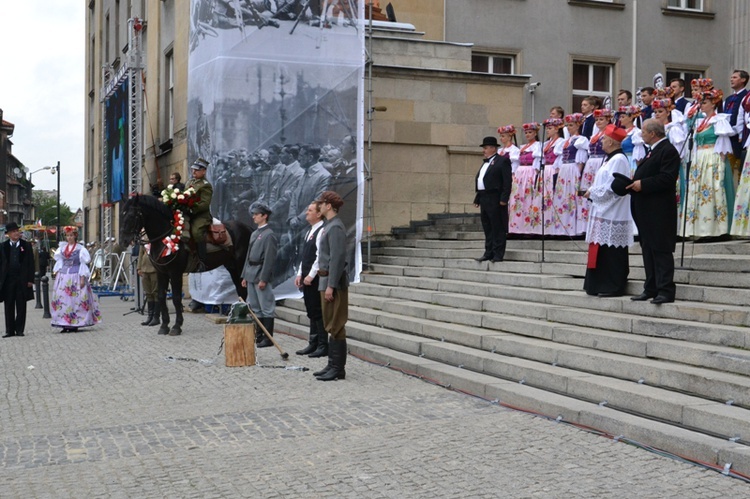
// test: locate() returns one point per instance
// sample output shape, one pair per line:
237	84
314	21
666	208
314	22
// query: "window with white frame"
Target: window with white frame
688	75
591	78
493	63
695	5
169	68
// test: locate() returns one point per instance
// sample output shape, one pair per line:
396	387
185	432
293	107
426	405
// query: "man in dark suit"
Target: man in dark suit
16	279
732	106
678	86
654	210
492	184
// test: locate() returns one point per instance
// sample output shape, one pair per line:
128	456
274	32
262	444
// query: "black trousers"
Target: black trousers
15	306
495	224
659	267
311	296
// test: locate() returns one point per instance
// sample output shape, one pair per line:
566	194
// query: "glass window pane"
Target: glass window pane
480	63
690	76
674	3
580	76
601	78
502	65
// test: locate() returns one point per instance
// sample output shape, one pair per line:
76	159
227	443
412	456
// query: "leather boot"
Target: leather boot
150	314
312	342
337	349
202	257
154	317
322	349
329	366
266	342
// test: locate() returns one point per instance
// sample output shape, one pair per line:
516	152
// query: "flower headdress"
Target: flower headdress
531	126
665	103
602	113
510	129
574	118
629	110
553	122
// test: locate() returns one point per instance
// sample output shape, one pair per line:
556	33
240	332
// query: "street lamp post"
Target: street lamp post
56	169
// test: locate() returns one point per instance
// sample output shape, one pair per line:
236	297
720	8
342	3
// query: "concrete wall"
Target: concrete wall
548	34
426	145
428	16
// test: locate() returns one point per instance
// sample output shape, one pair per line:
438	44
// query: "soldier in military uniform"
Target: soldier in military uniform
258	272
200	218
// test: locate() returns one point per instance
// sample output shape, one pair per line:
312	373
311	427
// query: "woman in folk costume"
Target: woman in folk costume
508	148
602	118
609	232
567	203
710	189
674	127
525	207
73	303
551	151
633	145
741	218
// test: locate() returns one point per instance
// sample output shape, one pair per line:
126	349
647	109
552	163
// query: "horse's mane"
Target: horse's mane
155	204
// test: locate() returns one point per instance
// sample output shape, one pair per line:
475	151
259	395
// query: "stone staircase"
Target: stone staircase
675	376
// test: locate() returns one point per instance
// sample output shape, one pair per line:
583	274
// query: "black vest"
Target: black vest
309	253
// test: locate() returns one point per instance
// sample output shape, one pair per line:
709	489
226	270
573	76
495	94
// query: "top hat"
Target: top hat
620	183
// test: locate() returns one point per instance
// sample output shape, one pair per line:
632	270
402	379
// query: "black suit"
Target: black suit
654	210
587	130
497	184
16	272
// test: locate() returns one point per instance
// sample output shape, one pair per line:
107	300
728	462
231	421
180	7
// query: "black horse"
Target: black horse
155	218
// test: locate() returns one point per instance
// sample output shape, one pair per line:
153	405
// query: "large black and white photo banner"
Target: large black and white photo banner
276	105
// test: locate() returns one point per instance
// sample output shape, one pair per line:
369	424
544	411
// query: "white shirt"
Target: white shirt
315	265
482	172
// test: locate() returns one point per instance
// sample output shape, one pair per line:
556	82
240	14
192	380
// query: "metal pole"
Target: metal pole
58	202
369	140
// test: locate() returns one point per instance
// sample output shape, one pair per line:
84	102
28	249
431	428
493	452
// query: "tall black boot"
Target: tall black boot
202	257
150	313
312	342
322	349
337	349
331	350
268	322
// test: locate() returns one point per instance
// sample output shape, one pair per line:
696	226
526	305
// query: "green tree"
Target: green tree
45	208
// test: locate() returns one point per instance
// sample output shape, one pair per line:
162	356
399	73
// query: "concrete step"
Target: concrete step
506	287
604	417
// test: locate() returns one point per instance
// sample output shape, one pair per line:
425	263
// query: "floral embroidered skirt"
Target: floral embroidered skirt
73	305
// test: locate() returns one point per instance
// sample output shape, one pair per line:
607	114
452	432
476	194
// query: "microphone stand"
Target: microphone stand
541	184
688	164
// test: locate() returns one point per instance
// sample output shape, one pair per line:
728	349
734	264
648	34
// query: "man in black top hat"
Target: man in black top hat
492	184
16	279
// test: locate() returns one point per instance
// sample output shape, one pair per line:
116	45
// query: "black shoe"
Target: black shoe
265	343
19	334
65	330
8	335
483	258
609	295
642	297
496	260
662	299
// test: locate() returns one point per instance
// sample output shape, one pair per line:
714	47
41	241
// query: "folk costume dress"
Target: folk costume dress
676	132
511	152
595	159
73	305
552	150
609	231
741	218
525	207
635	150
710	188
573	155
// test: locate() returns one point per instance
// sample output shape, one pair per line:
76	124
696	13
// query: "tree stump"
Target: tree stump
239	345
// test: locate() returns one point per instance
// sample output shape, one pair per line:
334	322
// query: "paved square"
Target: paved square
106	413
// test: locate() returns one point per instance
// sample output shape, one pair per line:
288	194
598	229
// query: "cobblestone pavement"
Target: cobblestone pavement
105	413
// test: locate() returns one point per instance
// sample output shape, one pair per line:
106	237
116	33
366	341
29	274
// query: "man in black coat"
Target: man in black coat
654	210
492	184
16	279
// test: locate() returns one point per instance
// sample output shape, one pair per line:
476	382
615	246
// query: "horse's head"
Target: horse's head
131	221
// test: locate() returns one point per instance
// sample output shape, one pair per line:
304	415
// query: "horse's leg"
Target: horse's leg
176	280
161	303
